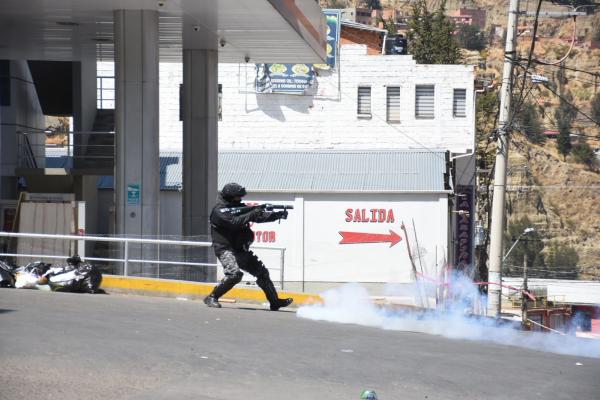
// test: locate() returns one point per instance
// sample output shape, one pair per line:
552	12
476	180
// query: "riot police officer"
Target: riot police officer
231	236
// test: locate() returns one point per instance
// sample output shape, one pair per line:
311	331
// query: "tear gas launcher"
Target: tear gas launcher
246	209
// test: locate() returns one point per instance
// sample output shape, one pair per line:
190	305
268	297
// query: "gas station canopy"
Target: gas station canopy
283	31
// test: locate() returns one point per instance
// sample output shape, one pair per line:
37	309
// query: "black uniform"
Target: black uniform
232	237
230	230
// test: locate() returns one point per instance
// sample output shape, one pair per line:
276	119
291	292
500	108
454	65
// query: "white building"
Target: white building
371	103
404	105
392	117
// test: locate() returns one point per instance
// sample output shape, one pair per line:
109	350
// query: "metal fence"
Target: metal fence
77	149
128	256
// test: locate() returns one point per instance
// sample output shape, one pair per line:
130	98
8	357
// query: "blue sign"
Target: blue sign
333	18
133	194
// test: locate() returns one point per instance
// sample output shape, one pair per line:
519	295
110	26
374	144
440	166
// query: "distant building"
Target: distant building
370	36
363	16
368	16
469	16
386	14
550	133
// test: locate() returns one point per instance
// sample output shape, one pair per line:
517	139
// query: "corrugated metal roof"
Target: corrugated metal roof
170	173
334	170
318	171
358	25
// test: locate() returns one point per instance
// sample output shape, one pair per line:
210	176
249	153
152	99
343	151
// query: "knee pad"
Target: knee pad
239	275
234	279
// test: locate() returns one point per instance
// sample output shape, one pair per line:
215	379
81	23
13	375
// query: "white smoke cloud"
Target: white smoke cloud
350	304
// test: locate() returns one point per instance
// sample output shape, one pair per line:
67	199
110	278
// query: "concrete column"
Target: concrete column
200	142
137	177
200	149
84	94
84	113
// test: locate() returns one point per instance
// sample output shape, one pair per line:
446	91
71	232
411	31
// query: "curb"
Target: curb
193	290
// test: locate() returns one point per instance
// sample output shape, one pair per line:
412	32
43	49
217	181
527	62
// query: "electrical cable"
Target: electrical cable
596	74
570	47
568	102
572	105
519	103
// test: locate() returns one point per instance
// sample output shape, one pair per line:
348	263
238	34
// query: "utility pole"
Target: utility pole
498	202
523	295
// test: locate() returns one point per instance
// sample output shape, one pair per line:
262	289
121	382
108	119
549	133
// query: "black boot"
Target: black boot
212	300
267	286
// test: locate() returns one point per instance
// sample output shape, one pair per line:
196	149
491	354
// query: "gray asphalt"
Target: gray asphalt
79	346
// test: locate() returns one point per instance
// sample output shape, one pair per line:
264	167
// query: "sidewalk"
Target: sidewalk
194	290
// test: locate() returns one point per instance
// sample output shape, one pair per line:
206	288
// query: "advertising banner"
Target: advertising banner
333	18
284	78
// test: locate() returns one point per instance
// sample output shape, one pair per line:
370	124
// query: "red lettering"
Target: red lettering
272	236
258	235
349	215
373	215
390	216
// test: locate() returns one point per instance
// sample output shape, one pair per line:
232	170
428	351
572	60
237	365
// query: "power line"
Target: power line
566	101
573	106
595	74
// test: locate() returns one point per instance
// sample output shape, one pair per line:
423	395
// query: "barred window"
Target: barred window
459	103
393	104
424	101
364	101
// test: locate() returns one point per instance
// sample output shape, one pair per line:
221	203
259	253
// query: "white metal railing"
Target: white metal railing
79	146
126	242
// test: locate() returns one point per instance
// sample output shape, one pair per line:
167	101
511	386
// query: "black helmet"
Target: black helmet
232	190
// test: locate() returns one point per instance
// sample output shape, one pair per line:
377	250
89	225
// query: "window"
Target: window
364	101
105	93
424	96
459	103
393	104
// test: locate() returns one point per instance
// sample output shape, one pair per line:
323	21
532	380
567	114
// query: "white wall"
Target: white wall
311	235
328	119
560	290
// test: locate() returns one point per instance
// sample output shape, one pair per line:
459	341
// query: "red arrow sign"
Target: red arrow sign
361	237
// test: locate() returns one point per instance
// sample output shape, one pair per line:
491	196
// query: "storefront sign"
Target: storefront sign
284	78
464	227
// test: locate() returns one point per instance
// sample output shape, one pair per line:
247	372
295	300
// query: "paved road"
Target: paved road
71	346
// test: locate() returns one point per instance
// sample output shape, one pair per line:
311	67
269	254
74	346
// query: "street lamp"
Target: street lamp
525	232
523	296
